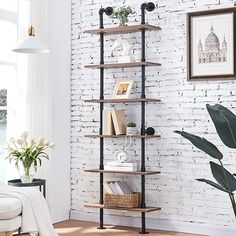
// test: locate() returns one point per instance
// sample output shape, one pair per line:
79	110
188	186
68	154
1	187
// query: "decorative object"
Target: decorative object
122	14
119	121
125	201
121	166
211	44
225	124
123	89
31	44
131	129
150	131
27	152
126	48
121	156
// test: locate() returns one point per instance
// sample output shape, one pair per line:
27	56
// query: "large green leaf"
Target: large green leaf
202	144
223	177
213	184
225	124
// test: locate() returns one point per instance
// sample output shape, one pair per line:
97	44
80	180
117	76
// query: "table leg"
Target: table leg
44	190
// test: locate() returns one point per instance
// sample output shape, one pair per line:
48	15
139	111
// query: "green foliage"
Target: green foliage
122	14
131	124
202	144
225	124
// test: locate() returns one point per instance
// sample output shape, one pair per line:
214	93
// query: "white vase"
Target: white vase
131	131
27	174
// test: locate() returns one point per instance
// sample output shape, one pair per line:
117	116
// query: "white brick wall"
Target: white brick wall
183	103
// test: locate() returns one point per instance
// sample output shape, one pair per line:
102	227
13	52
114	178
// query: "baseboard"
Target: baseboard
167	225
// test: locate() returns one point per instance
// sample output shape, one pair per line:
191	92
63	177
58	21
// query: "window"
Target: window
8	40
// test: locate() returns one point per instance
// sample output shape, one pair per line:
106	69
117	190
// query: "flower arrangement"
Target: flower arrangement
122	14
27	152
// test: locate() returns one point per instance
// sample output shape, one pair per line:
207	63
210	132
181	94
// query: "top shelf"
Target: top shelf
123	29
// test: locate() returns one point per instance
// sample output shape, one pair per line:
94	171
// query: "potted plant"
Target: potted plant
122	14
131	128
225	124
26	154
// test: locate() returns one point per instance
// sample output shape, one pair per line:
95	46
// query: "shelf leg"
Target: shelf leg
143	224
101	226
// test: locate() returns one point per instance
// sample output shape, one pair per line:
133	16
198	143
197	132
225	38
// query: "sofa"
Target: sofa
10	216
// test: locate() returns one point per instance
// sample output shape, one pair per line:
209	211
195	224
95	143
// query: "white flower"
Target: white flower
51	145
41	141
19	141
32	141
12	140
46	143
24	135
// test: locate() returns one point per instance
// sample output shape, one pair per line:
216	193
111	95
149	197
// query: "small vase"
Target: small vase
27	174
131	131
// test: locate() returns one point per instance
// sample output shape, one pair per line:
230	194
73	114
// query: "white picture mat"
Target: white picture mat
223	27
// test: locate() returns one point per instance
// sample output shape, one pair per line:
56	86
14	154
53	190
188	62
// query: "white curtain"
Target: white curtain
29	97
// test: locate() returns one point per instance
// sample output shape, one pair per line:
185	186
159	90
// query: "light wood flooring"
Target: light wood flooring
76	228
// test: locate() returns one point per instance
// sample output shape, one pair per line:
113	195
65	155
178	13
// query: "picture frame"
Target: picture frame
211	45
123	89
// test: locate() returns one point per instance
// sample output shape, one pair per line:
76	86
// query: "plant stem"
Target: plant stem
233	203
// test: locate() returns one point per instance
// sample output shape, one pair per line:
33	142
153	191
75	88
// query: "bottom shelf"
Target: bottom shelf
146	209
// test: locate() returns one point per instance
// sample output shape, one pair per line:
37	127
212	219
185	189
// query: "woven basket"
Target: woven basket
125	201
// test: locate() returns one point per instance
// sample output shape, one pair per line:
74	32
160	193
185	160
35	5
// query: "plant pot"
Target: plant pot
131	131
27	174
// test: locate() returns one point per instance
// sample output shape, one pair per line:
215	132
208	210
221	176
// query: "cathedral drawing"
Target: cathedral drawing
213	51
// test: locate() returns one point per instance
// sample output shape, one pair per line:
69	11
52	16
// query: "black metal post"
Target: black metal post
149	7
108	11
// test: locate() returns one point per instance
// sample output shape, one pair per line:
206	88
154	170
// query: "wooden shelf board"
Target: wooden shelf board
128	100
124	172
122	65
146	209
121	136
123	29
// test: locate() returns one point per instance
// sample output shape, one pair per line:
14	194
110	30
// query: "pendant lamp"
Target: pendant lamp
31	44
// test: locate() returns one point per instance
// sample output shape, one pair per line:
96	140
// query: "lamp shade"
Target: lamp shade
31	44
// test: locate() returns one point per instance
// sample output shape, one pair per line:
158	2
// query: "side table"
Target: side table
41	183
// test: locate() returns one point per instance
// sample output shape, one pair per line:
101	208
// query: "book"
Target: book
107	188
108	126
115	163
119	121
118	188
113	188
121	168
124	188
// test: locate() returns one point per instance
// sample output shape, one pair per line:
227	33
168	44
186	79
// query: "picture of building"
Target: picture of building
213	51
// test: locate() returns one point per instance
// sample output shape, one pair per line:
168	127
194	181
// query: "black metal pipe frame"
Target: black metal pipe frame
107	11
149	7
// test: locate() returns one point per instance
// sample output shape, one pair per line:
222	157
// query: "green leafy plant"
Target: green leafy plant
225	124
122	14
131	124
27	151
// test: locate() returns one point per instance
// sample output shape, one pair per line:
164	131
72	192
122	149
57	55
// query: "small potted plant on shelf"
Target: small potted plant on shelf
122	14
26	154
131	128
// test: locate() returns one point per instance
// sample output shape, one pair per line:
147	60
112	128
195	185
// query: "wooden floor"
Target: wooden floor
76	228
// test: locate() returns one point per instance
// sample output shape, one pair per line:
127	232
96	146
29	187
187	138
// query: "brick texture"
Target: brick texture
181	197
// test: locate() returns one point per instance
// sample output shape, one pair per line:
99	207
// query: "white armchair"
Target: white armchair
10	215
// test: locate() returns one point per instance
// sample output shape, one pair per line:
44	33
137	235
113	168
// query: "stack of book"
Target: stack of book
114	122
116	166
117	187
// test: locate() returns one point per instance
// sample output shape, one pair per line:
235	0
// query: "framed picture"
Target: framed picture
123	89
211	44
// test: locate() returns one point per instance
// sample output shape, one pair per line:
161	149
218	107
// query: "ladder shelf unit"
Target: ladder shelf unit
142	28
